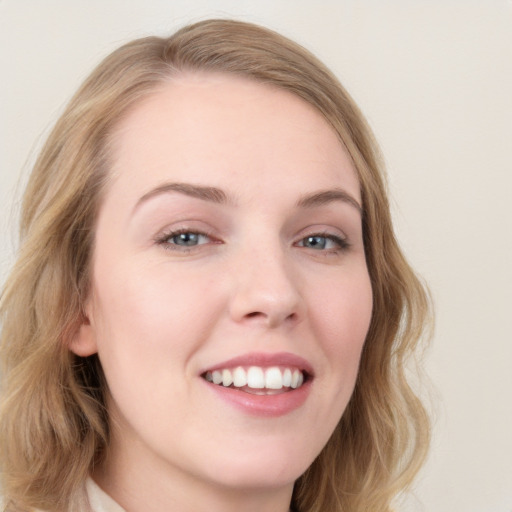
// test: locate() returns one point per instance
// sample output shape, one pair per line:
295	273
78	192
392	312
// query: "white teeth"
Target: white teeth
227	379
273	378
257	378
295	379
239	378
287	378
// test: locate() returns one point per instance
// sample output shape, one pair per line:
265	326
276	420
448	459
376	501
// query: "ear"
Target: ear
82	341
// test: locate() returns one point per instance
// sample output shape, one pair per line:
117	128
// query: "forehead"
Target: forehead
223	130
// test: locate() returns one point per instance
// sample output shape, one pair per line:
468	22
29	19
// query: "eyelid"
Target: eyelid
323	229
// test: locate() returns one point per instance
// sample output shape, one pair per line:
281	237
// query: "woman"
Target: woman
209	310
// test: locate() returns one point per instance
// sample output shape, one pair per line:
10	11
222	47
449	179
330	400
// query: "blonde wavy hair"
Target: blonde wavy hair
53	425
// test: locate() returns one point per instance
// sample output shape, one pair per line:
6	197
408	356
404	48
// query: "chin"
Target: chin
261	470
260	478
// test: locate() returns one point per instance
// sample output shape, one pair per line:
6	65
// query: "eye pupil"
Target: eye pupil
186	239
316	242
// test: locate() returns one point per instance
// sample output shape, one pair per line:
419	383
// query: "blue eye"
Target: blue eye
187	239
315	242
184	239
323	242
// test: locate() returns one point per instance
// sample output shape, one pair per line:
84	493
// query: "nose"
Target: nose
265	290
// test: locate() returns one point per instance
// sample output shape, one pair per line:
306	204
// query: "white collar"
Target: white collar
99	500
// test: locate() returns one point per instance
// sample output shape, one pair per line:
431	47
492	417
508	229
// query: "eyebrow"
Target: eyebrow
211	194
324	197
218	196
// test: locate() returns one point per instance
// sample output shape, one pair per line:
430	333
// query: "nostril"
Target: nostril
271	320
254	314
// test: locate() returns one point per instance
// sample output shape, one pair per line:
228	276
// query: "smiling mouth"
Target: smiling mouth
258	380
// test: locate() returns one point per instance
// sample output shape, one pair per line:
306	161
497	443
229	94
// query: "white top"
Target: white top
99	500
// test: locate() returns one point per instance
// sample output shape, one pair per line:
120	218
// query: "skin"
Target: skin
159	314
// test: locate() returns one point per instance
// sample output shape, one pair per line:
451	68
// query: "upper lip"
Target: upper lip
265	360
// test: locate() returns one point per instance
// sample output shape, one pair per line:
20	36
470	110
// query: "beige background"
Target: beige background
435	81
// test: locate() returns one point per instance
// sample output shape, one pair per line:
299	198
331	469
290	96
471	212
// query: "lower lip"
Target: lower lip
263	405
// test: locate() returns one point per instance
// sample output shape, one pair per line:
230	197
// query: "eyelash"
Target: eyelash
342	244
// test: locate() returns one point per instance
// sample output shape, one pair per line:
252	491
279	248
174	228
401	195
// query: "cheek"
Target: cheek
149	324
340	320
145	315
343	316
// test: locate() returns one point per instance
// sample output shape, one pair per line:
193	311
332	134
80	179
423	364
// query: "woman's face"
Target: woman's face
228	247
